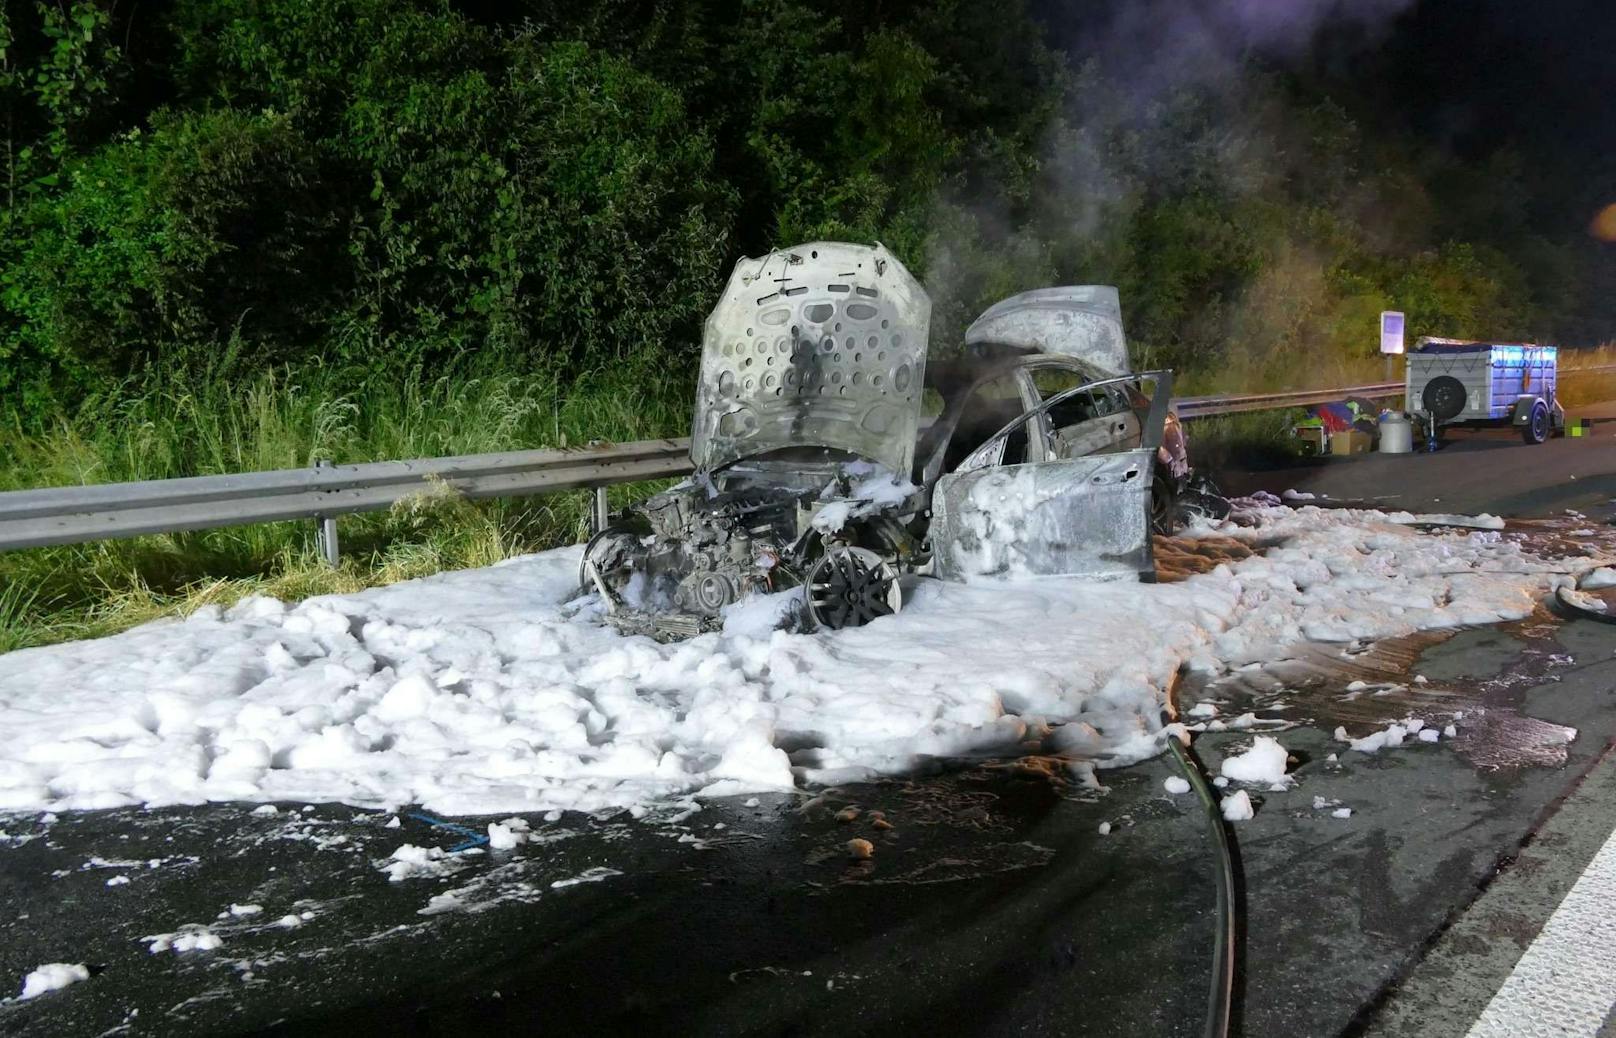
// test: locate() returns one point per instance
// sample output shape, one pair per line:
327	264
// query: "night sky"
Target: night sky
1473	76
1468	77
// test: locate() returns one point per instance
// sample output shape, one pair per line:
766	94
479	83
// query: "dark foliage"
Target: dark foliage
390	186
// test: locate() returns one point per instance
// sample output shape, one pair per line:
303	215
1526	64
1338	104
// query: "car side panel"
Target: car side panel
1077	517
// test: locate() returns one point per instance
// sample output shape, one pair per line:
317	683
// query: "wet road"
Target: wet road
990	901
1477	470
992	905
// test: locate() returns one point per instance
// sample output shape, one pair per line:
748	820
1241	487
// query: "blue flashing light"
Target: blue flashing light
1524	354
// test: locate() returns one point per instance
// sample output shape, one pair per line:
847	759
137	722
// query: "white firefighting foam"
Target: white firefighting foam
497	691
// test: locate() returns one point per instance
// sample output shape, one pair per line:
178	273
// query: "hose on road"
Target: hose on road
1220	997
1569	608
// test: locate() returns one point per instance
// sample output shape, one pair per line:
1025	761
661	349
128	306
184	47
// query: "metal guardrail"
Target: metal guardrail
74	515
1207	406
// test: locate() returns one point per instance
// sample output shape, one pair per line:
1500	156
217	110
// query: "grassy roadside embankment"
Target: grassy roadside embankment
287	419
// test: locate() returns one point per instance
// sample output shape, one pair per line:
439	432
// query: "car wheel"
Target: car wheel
849	587
604	557
1536	429
1201	499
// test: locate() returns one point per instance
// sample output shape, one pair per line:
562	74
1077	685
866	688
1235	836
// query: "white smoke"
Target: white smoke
1166	96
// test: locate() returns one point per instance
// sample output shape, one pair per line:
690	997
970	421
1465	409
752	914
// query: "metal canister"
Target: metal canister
1396	433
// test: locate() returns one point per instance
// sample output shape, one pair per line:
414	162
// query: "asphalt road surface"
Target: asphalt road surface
991	901
1478	469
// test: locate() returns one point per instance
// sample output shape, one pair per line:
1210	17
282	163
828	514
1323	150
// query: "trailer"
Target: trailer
1452	381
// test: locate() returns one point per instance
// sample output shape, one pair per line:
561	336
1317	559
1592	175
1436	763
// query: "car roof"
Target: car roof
974	365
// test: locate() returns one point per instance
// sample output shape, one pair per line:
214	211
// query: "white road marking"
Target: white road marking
1565	984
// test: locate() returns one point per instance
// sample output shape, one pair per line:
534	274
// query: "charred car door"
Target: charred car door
1084	516
1096	420
993	406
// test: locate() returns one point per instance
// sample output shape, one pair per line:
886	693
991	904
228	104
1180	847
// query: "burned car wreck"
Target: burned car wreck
831	456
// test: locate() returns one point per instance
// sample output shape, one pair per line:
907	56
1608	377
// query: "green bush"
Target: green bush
208	228
376	186
393	185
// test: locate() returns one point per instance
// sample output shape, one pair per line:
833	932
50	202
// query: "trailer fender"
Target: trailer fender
1521	412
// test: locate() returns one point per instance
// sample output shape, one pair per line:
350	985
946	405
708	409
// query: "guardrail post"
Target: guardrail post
325	530
601	512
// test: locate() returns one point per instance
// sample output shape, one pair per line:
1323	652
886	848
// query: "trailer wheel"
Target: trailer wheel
1444	397
1536	429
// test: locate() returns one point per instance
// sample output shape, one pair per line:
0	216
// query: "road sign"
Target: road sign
1391	331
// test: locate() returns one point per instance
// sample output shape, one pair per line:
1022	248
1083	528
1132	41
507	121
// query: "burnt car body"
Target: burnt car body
830	456
1061	337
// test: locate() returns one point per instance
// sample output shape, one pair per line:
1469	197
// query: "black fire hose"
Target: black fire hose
1220	996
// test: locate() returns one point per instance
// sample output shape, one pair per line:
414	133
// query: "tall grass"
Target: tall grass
1576	389
1241	374
1244	439
1573	358
174	426
17	616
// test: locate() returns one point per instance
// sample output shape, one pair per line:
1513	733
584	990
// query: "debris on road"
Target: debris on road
193	937
1393	735
1264	763
1597	580
412	862
506	835
1582	600
53	976
594	875
1237	807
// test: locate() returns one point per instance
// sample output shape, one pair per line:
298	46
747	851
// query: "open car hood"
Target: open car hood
820	345
1083	322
